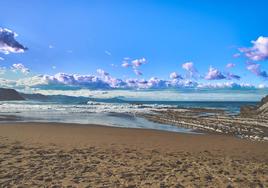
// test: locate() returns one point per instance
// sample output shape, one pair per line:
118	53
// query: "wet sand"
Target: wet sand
58	155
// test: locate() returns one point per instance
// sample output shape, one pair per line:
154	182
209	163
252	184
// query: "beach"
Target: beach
133	94
74	155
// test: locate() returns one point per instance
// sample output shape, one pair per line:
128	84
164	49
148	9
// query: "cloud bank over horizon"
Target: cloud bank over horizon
103	81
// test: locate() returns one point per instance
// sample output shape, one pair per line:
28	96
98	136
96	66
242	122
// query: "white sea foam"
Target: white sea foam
91	107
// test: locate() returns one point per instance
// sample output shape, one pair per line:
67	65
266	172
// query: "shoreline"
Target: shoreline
250	124
61	133
193	120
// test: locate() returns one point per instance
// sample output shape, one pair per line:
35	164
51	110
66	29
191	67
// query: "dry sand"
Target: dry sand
67	155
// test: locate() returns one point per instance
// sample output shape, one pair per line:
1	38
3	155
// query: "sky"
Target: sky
140	44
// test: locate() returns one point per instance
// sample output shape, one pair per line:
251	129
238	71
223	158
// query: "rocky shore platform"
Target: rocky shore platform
251	123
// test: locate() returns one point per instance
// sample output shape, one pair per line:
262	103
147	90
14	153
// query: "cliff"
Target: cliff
260	110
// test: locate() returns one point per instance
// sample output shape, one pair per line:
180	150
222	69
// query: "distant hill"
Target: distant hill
38	97
260	110
63	99
9	94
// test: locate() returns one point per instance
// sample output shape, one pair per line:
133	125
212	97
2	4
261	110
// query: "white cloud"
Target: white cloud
137	72
191	70
21	68
214	74
125	64
230	65
103	80
175	75
259	50
230	76
102	72
8	44
138	62
255	69
2	59
157	83
74	82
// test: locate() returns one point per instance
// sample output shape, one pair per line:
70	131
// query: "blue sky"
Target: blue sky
82	36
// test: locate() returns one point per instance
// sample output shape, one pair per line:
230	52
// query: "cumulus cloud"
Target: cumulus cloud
21	68
175	75
214	74
156	83
102	72
116	83
191	70
230	76
138	62
8	43
255	69
125	64
63	81
259	50
137	72
230	65
135	64
189	66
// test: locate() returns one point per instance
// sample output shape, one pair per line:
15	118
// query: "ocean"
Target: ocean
103	111
120	108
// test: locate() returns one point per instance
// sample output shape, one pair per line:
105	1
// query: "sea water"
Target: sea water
109	112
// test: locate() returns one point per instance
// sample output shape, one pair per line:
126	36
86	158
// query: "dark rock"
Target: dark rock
9	94
264	100
248	111
260	109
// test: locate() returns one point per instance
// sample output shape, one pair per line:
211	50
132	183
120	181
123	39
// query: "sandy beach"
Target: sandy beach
71	155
